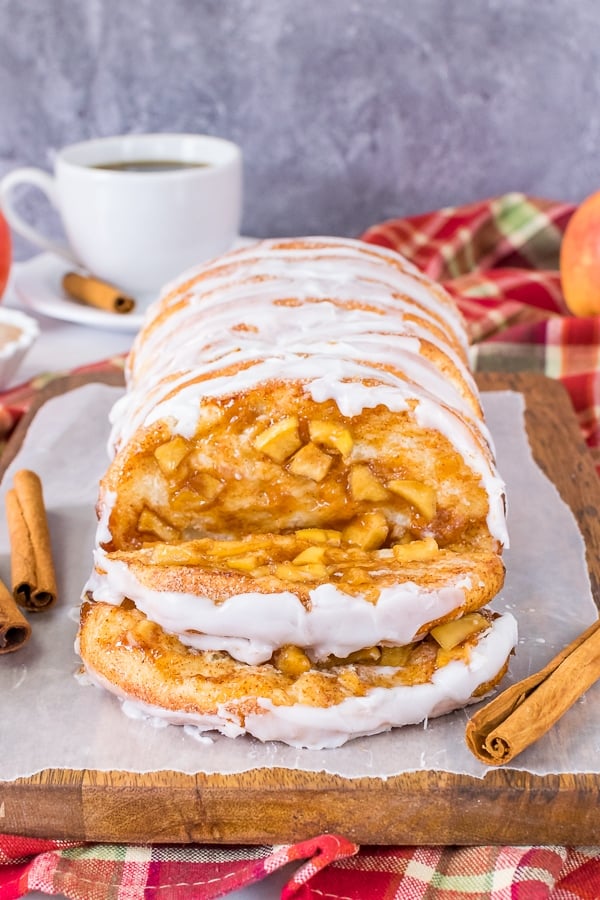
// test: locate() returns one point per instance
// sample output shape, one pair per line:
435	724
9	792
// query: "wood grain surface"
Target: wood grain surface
282	806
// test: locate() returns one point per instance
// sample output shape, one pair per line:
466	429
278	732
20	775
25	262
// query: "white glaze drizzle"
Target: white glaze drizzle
252	625
342	266
216	306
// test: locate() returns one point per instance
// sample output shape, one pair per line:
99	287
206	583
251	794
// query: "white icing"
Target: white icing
251	626
103	533
345	269
216	312
381	709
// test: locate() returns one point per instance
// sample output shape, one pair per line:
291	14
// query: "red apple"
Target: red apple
5	253
580	259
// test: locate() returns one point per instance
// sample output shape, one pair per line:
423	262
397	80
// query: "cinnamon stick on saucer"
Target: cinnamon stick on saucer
94	292
524	712
15	630
32	567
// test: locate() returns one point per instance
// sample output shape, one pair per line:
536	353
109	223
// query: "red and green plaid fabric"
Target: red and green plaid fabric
499	259
329	868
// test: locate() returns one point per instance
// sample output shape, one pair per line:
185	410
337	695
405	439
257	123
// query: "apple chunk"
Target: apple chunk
368	531
170	454
280	440
416	551
310	462
449	634
421	496
335	437
365	486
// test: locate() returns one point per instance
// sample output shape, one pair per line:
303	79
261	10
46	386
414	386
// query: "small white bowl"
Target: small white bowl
17	334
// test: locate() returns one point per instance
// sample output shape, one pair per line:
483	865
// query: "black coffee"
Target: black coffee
150	165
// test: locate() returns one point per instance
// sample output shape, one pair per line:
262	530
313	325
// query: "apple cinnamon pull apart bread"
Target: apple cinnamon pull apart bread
302	521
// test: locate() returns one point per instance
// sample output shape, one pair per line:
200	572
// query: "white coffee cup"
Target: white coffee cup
138	229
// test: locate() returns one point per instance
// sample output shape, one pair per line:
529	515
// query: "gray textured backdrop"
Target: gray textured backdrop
348	112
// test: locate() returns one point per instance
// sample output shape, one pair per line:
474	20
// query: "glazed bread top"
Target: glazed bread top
250	362
329	312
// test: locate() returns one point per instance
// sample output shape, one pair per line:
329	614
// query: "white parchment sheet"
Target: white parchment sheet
50	720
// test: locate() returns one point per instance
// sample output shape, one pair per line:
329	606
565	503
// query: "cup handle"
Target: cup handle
45	182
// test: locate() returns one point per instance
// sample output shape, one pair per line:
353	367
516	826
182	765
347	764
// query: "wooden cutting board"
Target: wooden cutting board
283	806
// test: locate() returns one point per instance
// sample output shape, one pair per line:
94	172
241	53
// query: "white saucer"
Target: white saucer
38	285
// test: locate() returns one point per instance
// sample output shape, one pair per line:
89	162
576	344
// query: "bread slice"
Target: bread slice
289	699
300	470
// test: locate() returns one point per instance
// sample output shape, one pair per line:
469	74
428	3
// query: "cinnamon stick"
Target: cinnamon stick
15	630
524	712
97	293
32	568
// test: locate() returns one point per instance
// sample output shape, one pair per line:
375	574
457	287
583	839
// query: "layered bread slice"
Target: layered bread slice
300	466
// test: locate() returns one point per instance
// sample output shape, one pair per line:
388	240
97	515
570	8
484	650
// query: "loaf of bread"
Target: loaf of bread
302	521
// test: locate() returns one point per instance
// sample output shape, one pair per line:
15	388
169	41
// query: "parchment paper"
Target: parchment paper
50	720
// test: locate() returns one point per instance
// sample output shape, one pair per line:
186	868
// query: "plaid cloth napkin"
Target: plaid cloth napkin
499	259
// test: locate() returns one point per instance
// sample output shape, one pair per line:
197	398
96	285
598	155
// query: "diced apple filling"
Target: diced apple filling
245	563
152	524
365	486
310	555
320	535
416	551
293	661
449	634
419	495
368	531
309	572
315	450
171	454
311	462
280	440
336	437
